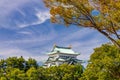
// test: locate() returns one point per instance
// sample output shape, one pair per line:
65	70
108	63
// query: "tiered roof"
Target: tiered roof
64	50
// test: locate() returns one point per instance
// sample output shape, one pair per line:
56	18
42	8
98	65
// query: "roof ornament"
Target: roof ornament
55	45
70	46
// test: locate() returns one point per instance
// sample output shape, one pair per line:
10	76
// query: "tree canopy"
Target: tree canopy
14	68
80	13
104	64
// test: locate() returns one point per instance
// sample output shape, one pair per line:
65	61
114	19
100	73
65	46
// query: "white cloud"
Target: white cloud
21	12
7	6
16	52
8	52
25	32
42	58
29	40
42	17
83	32
86	48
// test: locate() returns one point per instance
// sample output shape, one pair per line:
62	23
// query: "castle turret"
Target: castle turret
60	55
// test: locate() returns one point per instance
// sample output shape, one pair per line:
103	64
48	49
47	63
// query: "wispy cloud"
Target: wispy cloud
79	34
42	16
16	52
6	6
14	13
25	32
5	52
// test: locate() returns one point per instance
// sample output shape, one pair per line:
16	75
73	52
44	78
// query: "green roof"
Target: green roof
60	59
64	50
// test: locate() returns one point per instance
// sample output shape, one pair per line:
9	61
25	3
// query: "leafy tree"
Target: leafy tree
12	62
104	64
71	72
83	13
15	74
53	73
41	73
14	68
21	63
2	67
2	63
3	78
31	63
63	72
15	62
32	74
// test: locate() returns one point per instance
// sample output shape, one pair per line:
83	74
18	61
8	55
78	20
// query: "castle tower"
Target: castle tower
60	55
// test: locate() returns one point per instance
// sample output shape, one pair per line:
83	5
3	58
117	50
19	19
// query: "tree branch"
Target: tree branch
114	30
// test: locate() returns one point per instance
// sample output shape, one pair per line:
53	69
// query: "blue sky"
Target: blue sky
26	30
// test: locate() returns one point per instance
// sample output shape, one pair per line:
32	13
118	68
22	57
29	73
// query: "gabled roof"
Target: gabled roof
64	50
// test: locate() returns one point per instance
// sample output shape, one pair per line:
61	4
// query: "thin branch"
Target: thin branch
114	30
108	36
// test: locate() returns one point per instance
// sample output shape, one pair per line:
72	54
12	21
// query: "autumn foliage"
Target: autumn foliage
80	13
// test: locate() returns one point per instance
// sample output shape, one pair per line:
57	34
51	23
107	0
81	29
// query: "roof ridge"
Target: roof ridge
63	47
